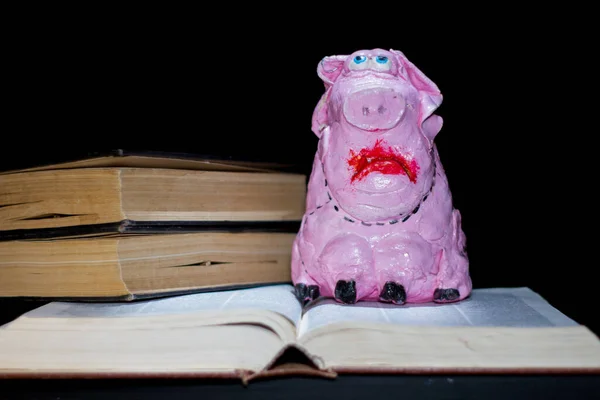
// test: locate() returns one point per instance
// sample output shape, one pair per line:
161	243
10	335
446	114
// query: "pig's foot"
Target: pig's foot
345	291
393	292
306	293
445	295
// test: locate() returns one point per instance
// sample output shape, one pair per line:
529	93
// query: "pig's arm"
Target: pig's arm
454	282
317	196
441	225
319	116
318	193
318	189
306	288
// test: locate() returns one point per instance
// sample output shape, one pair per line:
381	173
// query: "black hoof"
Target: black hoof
313	292
345	291
445	295
306	293
393	292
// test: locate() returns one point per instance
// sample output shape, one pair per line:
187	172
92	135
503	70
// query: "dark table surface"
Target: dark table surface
342	388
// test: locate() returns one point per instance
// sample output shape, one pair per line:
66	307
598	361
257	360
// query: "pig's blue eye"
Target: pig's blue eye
381	59
360	59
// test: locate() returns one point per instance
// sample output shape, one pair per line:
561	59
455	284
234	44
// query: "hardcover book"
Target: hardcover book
263	332
134	266
149	193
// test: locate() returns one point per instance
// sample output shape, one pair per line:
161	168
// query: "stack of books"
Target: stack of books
124	226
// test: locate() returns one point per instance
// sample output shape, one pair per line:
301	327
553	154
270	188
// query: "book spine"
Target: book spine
292	360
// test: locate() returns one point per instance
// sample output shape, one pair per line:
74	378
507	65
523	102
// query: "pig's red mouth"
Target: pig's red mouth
380	159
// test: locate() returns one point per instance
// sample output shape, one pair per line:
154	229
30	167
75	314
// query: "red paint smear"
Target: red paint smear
383	160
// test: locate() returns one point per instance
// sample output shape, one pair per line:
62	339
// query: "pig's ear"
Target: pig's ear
430	95
330	68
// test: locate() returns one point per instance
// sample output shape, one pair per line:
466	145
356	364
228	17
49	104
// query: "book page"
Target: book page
511	307
277	298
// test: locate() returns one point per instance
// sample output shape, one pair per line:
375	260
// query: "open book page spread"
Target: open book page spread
277	298
50	339
511	307
169	335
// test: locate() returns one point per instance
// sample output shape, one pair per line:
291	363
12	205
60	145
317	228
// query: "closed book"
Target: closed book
148	193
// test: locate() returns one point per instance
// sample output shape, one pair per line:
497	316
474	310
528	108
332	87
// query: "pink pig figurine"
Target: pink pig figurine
379	224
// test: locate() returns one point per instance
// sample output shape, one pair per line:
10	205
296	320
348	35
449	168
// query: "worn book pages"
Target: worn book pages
276	298
493	331
132	267
508	307
90	201
228	333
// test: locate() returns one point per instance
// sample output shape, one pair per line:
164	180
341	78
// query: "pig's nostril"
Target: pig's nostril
365	111
381	109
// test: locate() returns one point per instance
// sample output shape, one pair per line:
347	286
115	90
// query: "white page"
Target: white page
519	307
278	298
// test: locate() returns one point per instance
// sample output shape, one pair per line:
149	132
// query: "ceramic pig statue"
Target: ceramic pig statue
380	223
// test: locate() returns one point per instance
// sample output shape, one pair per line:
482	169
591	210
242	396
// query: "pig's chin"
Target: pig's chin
379	197
375	207
380	183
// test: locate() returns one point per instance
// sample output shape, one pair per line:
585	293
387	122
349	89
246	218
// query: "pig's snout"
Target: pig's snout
374	109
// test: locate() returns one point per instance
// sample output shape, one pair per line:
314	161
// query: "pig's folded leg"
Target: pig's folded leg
346	263
402	261
305	287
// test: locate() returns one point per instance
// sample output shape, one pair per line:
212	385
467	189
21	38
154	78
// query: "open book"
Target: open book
264	331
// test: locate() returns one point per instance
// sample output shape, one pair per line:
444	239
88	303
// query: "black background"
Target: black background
517	142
